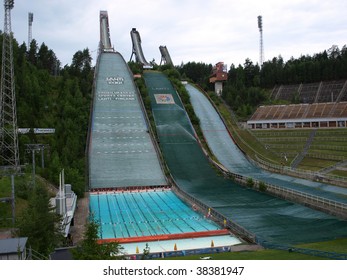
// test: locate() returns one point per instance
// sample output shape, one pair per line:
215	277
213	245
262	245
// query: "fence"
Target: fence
180	253
322	204
283	139
215	215
310	175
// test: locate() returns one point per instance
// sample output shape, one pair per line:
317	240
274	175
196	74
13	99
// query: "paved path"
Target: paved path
80	219
241	248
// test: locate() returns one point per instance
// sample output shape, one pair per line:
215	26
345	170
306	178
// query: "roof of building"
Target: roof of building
12	245
70	203
62	254
301	111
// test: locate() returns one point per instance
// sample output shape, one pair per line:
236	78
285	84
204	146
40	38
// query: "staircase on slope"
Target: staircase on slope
333	167
303	153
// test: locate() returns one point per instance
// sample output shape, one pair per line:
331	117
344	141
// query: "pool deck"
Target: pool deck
166	237
225	243
80	219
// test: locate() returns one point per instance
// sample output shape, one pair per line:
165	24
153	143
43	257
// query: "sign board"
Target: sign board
23	130
36	130
164	99
44	130
115	80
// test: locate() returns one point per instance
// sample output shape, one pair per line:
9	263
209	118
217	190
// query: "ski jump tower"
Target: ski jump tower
137	49
9	154
105	38
165	56
218	76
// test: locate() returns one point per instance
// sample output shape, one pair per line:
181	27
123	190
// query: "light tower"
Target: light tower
30	24
9	154
261	50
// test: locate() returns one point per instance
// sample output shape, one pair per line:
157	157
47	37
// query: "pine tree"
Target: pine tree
89	249
40	223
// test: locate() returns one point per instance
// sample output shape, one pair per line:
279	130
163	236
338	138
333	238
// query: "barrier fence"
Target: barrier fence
217	217
299	173
325	205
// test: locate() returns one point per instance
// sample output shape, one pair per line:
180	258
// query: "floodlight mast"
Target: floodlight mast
261	46
30	24
9	4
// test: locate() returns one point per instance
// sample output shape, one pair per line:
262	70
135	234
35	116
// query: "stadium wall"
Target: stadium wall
298	123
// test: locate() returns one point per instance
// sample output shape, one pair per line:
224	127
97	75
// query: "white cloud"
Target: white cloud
193	30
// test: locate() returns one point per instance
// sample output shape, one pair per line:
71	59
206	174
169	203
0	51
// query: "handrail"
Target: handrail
310	200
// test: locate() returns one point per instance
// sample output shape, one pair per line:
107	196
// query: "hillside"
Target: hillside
49	96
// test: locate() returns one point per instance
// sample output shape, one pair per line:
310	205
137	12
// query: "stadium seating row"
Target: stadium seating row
333	91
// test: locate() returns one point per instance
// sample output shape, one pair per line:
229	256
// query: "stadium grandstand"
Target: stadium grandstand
315	115
332	91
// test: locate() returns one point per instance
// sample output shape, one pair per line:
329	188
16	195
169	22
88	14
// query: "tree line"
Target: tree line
249	85
51	96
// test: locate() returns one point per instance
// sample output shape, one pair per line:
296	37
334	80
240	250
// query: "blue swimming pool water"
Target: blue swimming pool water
133	214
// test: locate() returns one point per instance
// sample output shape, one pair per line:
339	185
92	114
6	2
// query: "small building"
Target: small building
13	248
218	76
65	203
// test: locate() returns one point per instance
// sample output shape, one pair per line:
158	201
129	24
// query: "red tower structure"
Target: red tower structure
218	76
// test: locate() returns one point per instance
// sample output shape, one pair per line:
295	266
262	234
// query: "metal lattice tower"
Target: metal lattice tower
9	153
261	46
30	31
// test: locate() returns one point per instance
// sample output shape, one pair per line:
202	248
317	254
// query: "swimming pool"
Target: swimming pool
146	213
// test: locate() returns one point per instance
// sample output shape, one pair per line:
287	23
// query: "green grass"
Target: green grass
5	190
315	164
252	255
329	145
5	207
340	173
5	214
21	194
245	140
336	246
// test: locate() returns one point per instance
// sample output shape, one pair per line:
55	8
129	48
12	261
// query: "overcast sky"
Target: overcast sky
193	30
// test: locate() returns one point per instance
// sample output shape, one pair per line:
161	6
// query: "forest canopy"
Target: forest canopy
248	85
51	96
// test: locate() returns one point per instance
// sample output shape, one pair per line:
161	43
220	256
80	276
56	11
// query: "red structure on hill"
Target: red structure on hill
218	76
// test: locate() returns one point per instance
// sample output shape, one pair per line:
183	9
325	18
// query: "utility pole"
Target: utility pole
9	153
36	148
